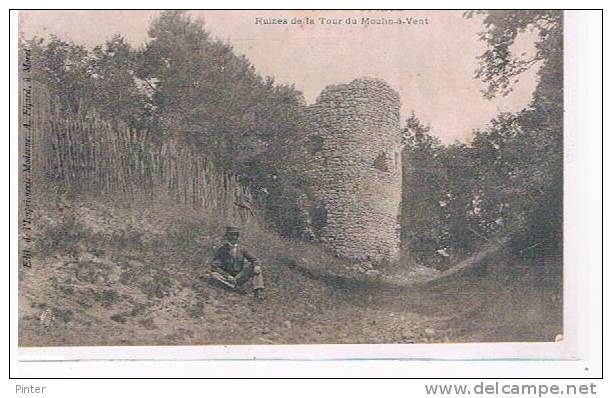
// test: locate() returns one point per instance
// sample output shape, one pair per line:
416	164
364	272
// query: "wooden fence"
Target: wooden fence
87	155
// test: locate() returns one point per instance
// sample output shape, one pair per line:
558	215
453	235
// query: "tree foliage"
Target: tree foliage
500	67
509	180
533	144
439	213
187	86
62	67
212	97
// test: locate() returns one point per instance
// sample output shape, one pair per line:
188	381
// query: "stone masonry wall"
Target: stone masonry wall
355	163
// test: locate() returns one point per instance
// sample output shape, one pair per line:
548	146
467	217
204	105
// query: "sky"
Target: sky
431	64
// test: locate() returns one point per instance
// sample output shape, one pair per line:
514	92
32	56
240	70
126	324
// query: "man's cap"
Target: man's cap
231	230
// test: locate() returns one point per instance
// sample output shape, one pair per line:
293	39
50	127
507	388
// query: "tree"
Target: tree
102	80
186	86
529	144
210	97
63	68
116	93
422	193
442	212
500	67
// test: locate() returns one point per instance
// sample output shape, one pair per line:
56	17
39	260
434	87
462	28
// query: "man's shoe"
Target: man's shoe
258	293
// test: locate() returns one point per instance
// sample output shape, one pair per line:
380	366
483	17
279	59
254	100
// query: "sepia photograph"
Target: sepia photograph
290	177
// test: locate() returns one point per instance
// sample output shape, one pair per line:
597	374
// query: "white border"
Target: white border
582	284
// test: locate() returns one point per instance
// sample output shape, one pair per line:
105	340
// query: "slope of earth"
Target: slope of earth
129	275
135	275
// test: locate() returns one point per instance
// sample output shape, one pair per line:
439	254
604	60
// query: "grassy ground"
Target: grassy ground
134	275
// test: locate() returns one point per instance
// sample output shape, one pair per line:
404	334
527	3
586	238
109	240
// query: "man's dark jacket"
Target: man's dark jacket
233	264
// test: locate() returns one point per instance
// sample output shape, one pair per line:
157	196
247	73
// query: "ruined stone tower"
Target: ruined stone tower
354	143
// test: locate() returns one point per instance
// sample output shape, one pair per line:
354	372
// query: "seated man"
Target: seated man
234	266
